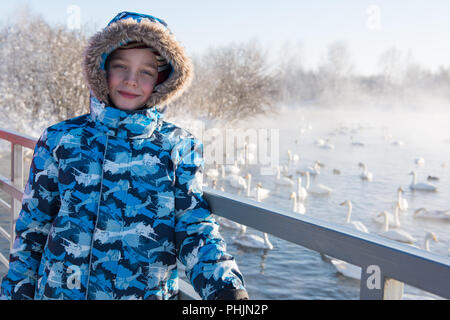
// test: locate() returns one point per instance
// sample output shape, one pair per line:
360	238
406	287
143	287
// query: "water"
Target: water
293	272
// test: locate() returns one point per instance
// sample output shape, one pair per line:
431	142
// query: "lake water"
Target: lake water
293	272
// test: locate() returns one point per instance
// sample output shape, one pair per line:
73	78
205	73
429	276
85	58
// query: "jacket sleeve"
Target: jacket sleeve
212	272
40	204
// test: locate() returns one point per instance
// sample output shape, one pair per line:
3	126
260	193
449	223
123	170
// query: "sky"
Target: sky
416	27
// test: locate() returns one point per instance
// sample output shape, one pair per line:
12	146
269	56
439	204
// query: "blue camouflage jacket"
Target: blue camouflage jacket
113	200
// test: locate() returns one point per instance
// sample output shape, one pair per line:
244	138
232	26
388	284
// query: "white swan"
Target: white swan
317	188
224	222
236	181
296	205
398	143
366	175
327	145
292	157
253	241
213	173
233	169
283	181
394	220
320	142
358	225
426	242
314	170
396	234
422	186
403	203
356	143
247	157
423	213
256	192
301	191
347	269
419	161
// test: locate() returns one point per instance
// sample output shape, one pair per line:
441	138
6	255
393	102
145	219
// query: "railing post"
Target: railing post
17	180
393	289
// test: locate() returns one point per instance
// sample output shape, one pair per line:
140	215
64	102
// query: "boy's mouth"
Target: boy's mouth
128	95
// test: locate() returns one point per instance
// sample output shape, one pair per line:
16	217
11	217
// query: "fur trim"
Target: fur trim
154	35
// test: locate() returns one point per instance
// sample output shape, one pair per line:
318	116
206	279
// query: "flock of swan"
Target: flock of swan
301	186
390	222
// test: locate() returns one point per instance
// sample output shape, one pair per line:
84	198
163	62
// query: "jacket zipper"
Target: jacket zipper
96	220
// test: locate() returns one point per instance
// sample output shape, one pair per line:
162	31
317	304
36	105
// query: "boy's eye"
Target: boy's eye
148	73
118	66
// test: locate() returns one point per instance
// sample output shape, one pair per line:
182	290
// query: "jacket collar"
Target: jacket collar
135	124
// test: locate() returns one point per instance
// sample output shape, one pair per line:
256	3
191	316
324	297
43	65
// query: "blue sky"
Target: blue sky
417	27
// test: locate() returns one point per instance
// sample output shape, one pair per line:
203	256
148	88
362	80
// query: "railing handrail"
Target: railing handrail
14	185
18	138
419	268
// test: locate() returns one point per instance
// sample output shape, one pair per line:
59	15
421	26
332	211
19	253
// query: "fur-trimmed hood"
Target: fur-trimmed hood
129	27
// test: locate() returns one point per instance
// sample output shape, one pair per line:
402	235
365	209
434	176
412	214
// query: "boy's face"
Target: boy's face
131	76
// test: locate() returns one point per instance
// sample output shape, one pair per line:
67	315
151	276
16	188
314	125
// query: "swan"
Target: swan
283	181
358	225
419	161
356	143
366	175
314	170
259	191
301	191
396	234
426	243
398	143
336	171
253	241
327	145
318	188
233	169
431	178
403	203
319	142
236	181
224	222
432	214
213	173
394	220
247	157
422	186
292	157
297	206
347	269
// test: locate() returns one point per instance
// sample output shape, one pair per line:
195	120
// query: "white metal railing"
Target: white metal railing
385	264
14	185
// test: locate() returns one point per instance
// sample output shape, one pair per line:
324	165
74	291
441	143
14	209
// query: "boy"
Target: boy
114	197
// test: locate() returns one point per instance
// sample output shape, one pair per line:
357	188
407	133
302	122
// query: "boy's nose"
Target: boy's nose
130	80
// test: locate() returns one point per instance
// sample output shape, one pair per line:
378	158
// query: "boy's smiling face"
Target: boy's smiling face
131	76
